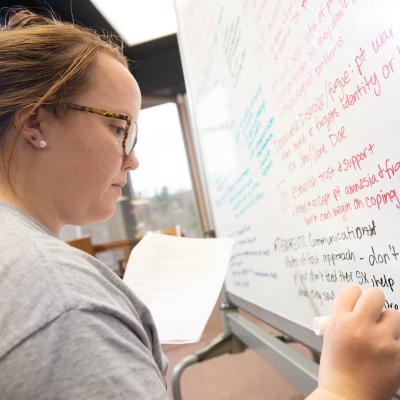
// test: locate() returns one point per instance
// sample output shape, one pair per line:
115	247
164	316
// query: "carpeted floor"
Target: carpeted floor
243	376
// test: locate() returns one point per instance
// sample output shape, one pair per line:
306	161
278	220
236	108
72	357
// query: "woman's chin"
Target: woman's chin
98	214
106	213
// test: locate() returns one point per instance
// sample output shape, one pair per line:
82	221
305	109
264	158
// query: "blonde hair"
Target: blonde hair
44	62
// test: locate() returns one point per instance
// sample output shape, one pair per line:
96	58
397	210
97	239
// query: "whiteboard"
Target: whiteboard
296	115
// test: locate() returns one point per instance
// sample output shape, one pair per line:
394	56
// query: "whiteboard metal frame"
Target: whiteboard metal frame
297	332
299	371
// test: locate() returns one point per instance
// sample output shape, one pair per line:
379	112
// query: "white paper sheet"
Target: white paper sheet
179	279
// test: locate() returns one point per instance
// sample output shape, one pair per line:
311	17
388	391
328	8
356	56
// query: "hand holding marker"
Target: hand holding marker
360	357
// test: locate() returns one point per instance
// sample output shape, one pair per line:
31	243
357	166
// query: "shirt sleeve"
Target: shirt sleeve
82	355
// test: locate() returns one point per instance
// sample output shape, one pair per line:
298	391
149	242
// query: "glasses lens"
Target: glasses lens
131	139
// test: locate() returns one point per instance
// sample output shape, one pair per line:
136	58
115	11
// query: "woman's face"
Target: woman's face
86	163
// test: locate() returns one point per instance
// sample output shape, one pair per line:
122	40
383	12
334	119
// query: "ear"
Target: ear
29	125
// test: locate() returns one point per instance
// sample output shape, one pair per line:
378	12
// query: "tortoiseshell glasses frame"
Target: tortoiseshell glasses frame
131	130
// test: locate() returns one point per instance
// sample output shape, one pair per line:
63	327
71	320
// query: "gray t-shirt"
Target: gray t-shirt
69	327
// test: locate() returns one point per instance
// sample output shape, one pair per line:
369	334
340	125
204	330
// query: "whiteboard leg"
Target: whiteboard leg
222	344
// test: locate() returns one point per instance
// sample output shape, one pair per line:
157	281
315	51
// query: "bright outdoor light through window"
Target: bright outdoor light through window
163	192
139	21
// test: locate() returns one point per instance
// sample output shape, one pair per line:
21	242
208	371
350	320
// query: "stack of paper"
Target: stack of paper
179	279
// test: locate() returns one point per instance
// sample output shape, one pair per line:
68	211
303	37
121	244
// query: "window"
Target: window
163	193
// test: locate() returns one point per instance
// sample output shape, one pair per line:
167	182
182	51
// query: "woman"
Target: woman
70	328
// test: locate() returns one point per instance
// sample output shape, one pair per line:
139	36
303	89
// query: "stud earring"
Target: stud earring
42	144
34	137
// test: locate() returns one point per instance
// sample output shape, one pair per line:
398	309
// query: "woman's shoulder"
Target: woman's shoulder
43	265
29	249
42	277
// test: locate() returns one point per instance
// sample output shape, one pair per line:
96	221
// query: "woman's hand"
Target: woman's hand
361	352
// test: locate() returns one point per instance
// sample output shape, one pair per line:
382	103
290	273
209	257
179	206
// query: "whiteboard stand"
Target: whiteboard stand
299	371
225	343
240	333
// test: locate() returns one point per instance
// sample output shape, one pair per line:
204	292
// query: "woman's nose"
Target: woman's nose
131	162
